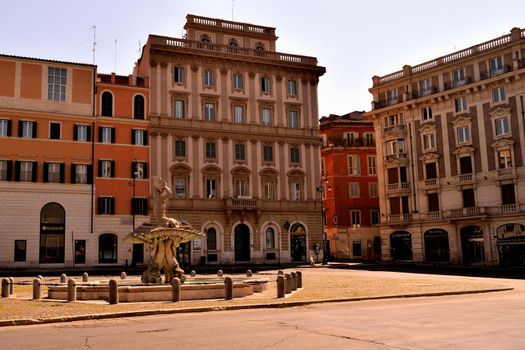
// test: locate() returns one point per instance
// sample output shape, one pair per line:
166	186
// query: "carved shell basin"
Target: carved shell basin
147	234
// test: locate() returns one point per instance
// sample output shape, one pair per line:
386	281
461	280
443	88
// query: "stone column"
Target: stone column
280	286
113	292
37	289
71	290
175	289
228	288
287	283
5	288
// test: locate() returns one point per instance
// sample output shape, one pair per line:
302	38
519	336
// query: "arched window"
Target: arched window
205	39
233	43
138	104
107	104
211	238
52	233
107	248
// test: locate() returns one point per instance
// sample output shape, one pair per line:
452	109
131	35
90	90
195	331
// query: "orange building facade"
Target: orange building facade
350	192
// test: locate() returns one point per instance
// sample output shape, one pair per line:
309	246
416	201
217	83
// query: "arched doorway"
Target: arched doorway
401	245
52	233
242	243
298	242
511	244
107	248
436	245
472	245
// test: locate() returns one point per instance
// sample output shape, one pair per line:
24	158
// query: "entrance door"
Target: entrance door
401	245
472	245
138	254
298	247
436	245
242	243
80	251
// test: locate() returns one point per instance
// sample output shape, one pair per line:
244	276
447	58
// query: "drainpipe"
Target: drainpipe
93	148
414	194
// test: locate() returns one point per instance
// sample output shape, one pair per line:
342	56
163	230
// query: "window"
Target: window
460	104
465	165
20	250
502	126
373	190
498	94
350	138
469	199
294	155
269	189
209	78
106	168
54	131
391	97
371	160
429	142
106	205
233	45
296	191
178	74
26	171
5	170
79	174
211	150
139	206
180	188
106	134
353	190
354	165
293	119
426	113
393	120
356	249
139	137
211	238
270	238
424	87
56	84
268	153
259	48
431	171
292	87
179	110
27	129
209	111
355	217
5	127
463	134
180	148
107	104
53	172
369	139
241	188
238	114
504	159
496	66
138	107
433	202
82	133
107	248
265	84
211	188
139	170
374	217
266	116
240	154
458	77
508	195
237	81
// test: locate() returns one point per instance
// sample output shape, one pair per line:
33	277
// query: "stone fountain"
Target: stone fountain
162	239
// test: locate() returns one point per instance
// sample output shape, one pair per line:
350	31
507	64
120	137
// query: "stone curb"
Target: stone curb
25	322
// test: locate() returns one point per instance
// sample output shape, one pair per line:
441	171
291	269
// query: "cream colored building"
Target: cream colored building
450	146
234	130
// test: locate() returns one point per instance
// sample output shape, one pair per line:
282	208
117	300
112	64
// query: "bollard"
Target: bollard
71	290
85	277
287	283
192	273
293	281
175	289
228	288
219	273
299	279
63	278
37	289
113	292
249	273
123	275
5	288
11	285
280	272
41	278
280	286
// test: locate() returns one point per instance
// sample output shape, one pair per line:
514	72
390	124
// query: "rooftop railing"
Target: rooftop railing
220	23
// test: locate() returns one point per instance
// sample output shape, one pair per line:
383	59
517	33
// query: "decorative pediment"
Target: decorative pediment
429	128
296	173
503	142
269	172
180	168
211	170
500	112
462	120
429	156
461	150
240	170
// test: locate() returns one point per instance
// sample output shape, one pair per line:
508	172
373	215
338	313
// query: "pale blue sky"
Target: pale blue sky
353	39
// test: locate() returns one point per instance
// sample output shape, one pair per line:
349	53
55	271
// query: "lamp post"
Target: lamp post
134	176
324	180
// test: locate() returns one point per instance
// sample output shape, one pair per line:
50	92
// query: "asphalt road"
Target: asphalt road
479	321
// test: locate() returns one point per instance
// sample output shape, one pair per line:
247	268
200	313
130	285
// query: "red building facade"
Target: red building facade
350	192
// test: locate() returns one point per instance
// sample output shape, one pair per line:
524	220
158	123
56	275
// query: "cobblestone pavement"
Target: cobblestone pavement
319	284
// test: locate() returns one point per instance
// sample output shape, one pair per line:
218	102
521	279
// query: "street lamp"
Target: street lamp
324	180
134	176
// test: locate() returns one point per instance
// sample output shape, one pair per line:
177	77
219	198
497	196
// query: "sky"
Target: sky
354	40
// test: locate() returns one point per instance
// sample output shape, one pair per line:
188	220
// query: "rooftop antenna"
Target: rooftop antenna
94	41
115	70
233	2
140	46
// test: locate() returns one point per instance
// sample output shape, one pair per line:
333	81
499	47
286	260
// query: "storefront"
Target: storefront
298	242
511	244
436	245
472	245
401	245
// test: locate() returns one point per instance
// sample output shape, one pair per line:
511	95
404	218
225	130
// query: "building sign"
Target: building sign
197	244
52	228
435	232
400	235
510	234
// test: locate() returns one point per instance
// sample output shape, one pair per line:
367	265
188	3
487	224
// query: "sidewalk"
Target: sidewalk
320	285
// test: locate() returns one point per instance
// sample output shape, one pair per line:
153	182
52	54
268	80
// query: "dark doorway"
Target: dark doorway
298	247
52	233
80	251
401	245
107	248
137	256
511	244
472	245
436	246
242	243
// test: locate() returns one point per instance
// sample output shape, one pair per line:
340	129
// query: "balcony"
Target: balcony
466	179
467	212
506	173
395	128
392	101
498	71
434	215
400	218
431	183
396	157
509	208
